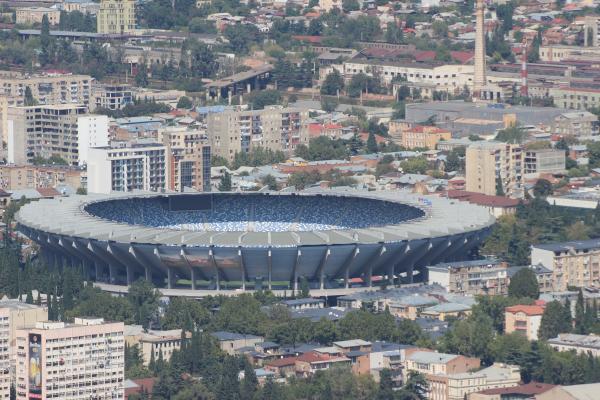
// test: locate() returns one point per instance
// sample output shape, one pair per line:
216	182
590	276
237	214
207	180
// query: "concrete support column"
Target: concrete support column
193	277
410	273
370	276
112	273
347	278
148	273
170	278
130	274
270	268
98	270
390	274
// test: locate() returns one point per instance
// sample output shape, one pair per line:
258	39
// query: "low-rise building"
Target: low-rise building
424	137
523	319
19	177
433	363
51	356
111	96
487	276
579	124
581	344
574	263
35	15
497	205
460	386
544	161
153	343
230	342
309	363
572	392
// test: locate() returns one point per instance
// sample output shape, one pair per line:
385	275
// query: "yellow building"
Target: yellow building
116	16
424	137
490	162
34	15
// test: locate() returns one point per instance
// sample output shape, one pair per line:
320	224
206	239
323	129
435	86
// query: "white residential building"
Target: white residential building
92	131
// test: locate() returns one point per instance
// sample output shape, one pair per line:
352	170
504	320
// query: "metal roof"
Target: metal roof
443	217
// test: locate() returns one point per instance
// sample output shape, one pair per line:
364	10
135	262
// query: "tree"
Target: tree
329	104
184	313
386	385
304	288
228	386
141	78
542	188
270	182
184	102
416	387
513	134
249	383
371	143
261	98
144	298
333	83
524	284
580	322
225	183
556	319
45	41
29	100
415	165
499	187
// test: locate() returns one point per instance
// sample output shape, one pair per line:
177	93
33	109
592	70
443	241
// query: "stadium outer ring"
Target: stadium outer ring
119	253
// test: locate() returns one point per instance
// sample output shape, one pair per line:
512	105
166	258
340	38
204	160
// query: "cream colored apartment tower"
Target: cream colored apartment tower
487	162
116	17
276	128
14	315
83	360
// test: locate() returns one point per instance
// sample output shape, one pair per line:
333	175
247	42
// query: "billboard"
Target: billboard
35	366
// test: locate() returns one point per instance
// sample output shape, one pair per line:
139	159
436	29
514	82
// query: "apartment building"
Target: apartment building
424	137
523	319
276	128
47	88
581	344
429	362
578	123
575	98
544	161
460	386
137	166
231	342
92	131
153	342
116	17
35	15
575	264
477	277
189	158
43	131
489	164
557	53
111	96
71	361
17	177
14	315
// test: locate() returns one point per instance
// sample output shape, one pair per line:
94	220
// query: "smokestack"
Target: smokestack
479	78
524	89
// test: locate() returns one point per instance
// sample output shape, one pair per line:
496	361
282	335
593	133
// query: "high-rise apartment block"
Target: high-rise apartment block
92	132
189	155
491	165
276	128
116	17
175	164
124	169
43	131
540	161
49	88
83	360
14	315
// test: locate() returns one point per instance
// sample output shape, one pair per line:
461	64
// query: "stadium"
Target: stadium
253	240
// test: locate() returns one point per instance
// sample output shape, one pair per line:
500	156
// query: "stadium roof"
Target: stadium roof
443	217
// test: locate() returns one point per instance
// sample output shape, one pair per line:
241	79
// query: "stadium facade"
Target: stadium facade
253	237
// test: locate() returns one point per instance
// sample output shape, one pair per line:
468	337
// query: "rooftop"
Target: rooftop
431	357
528	310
